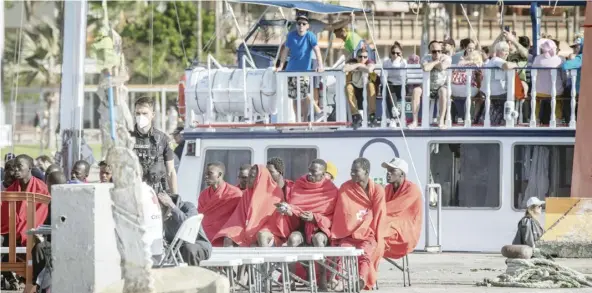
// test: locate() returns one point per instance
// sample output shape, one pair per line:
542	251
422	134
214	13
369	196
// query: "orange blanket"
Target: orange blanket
34	186
253	211
360	220
405	217
318	198
217	206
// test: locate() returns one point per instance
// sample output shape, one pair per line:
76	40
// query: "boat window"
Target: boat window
541	171
469	173
232	160
295	159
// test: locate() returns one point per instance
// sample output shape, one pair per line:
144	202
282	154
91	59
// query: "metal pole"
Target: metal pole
72	88
218	29
199	32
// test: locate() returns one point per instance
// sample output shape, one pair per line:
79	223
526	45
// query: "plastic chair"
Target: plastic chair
187	233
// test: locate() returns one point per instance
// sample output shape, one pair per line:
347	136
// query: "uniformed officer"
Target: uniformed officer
154	149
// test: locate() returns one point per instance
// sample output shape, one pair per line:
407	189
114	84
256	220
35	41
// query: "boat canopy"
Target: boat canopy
506	2
310	6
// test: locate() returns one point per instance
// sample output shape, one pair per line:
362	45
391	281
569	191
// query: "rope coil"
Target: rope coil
538	273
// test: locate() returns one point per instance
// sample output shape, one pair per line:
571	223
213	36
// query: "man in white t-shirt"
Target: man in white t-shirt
437	64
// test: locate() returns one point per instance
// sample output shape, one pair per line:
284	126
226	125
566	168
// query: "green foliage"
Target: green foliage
168	58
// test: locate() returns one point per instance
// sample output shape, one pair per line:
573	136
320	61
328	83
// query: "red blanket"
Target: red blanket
253	211
405	217
359	220
41	210
217	206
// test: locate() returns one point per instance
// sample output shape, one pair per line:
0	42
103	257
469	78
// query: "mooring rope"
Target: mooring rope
538	273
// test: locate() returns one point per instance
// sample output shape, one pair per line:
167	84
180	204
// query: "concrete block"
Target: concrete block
84	248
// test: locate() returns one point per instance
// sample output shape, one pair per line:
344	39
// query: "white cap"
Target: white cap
534	201
397	163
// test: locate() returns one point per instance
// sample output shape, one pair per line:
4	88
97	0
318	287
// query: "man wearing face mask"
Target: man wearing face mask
154	149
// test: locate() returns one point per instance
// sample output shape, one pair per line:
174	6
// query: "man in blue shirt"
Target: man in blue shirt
299	46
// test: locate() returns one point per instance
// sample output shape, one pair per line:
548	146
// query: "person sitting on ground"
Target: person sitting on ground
530	229
253	211
175	211
360	70
218	201
25	182
269	236
80	171
243	176
105	172
331	172
42	162
359	221
404	208
437	64
306	218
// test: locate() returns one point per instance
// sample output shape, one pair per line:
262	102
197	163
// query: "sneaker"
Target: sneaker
356	121
372	121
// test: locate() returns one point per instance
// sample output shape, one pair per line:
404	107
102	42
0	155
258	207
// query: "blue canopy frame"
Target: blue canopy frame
310	6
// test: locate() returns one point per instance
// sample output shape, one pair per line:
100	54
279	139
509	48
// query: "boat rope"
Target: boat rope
181	34
18	57
502	10
469	22
397	116
538	273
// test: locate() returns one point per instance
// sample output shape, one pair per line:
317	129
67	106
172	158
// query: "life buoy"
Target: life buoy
181	99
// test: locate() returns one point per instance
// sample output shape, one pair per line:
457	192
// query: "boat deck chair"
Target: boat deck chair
21	265
187	233
403	267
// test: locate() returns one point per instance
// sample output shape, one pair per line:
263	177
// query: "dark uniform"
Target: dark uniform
153	150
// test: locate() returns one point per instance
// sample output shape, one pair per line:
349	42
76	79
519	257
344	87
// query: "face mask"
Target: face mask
142	121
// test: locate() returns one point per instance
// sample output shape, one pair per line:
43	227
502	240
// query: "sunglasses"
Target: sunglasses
396	53
436	51
302	23
363	56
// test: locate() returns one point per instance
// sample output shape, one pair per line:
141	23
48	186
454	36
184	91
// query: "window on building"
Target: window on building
232	160
469	173
296	160
541	171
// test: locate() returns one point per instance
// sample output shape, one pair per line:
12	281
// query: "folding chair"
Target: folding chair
187	233
404	267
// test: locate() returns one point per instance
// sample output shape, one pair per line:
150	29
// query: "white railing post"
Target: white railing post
553	120
487	104
403	113
509	110
298	100
245	96
310	99
448	104
426	116
210	108
438	231
385	95
365	113
324	84
533	93
340	98
468	101
573	102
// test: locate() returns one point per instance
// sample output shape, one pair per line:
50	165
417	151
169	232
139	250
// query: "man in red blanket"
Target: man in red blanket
268	236
404	210
243	176
253	211
359	220
217	202
25	182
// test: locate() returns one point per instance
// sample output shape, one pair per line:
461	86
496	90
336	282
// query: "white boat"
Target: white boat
475	178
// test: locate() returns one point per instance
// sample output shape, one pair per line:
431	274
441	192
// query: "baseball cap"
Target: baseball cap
9	156
397	163
577	42
301	15
534	201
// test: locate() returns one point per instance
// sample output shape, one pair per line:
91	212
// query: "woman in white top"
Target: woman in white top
459	81
396	78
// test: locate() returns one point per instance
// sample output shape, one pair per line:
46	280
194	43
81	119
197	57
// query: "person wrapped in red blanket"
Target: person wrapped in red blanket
253	211
217	202
269	235
404	210
25	182
359	220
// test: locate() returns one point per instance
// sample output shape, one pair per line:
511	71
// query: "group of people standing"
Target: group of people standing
268	210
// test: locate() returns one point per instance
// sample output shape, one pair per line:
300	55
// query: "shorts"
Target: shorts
293	87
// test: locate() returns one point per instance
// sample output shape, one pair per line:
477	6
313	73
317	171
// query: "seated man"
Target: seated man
218	201
175	212
436	64
359	220
357	70
52	168
243	176
42	162
253	211
80	171
105	172
404	208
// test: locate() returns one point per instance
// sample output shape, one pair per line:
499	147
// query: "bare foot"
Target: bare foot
443	126
413	125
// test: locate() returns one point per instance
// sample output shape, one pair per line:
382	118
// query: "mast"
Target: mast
581	179
72	89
